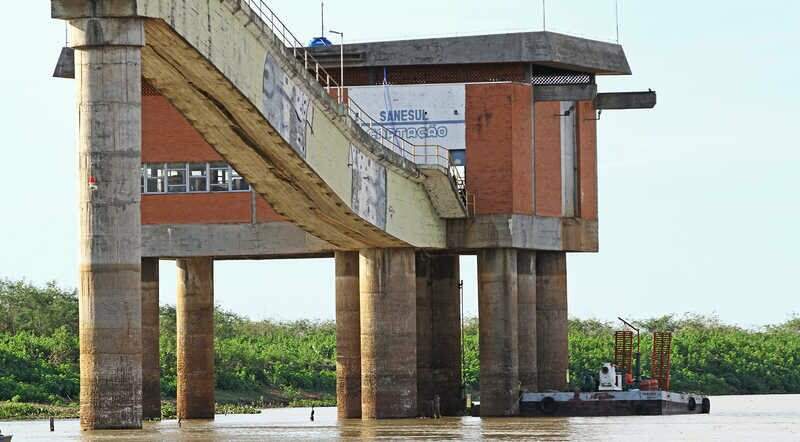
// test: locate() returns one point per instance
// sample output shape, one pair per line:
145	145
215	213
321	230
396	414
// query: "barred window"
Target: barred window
191	177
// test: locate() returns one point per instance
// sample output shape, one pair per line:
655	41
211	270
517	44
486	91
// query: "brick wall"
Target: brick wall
168	137
587	160
499	150
547	144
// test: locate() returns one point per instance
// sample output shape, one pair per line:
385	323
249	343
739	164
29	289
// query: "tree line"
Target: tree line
294	362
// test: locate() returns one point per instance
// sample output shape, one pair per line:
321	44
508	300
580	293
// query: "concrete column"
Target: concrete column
108	76
388	333
498	316
526	289
425	385
348	336
446	333
195	321
151	362
551	320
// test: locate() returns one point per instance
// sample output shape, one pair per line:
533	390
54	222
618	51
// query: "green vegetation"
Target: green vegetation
265	363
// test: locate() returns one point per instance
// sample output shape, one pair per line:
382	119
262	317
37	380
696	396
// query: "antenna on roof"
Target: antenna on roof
544	15
322	15
616	16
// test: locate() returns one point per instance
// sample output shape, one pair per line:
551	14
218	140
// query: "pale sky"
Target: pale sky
699	205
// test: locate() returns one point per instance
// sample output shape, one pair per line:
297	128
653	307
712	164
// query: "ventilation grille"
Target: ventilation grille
543	76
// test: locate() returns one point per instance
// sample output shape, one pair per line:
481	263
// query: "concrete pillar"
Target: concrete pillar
551	320
108	77
526	290
388	333
446	333
195	322
348	336
425	385
151	362
498	316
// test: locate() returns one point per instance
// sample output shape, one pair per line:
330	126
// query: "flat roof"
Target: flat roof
549	49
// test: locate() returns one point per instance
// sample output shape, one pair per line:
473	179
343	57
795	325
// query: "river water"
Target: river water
746	418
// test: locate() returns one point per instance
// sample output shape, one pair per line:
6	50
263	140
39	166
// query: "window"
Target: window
198	177
238	184
220	177
154	178
176	177
191	177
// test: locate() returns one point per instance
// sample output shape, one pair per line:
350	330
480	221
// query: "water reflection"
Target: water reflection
733	418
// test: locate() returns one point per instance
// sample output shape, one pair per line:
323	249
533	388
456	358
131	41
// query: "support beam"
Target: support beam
497	310
348	336
446	333
151	361
526	290
388	333
625	100
195	321
551	320
108	78
424	336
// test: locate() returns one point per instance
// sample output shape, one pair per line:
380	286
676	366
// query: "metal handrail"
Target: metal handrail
434	155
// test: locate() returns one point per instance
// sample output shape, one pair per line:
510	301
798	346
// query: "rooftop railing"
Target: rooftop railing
427	155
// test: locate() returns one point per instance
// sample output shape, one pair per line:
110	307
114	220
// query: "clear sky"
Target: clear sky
699	205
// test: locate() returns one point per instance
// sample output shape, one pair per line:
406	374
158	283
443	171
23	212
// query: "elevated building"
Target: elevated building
246	148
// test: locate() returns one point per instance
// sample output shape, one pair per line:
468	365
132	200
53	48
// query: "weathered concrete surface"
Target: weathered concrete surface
195	323
348	336
498	317
551	320
541	48
151	359
526	290
446	333
522	232
109	150
424	336
571	92
625	100
443	192
235	241
388	333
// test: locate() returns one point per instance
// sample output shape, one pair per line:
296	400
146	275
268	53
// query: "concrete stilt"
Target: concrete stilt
526	289
497	309
195	321
446	333
108	74
151	362
551	320
388	333
348	336
425	387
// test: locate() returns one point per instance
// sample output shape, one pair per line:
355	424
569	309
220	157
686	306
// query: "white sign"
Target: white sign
422	114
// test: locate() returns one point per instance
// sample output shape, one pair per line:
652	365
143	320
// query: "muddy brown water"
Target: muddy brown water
746	418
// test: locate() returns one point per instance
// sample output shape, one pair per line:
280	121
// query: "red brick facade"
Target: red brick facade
547	143
587	160
499	148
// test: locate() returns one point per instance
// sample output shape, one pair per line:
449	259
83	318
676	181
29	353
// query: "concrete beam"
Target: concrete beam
497	318
388	333
348	336
551	320
545	48
195	322
522	232
526	289
151	357
571	92
109	154
71	9
625	100
235	241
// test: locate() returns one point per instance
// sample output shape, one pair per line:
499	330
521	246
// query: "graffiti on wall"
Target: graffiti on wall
369	188
286	106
